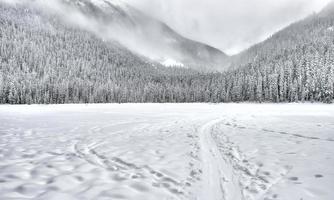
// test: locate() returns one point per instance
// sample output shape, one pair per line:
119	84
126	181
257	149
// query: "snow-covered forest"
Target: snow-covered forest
44	61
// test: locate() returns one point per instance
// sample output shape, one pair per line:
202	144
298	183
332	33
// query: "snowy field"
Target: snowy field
167	151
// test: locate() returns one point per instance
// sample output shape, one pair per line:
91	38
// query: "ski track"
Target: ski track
169	151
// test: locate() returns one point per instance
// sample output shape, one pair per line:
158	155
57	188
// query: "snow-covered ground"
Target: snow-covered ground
167	151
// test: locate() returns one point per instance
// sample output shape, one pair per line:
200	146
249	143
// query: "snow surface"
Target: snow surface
167	151
171	63
104	3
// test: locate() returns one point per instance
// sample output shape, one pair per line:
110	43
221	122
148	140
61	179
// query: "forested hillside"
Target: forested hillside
43	60
143	34
295	64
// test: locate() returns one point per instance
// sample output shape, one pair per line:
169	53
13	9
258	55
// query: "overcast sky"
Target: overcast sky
230	25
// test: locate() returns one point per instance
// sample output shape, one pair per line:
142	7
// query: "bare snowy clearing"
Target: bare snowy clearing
167	151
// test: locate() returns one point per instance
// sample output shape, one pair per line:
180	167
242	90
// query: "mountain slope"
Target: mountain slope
311	31
295	64
43	60
147	36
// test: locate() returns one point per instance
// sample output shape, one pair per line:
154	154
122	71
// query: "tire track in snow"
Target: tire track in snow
219	181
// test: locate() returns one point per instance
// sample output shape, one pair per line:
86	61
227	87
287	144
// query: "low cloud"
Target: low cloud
230	25
143	42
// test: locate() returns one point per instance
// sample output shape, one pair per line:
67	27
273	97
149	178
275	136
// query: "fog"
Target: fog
230	25
142	41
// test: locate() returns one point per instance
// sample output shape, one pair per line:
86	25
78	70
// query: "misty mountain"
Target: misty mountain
44	60
147	36
60	55
315	31
294	64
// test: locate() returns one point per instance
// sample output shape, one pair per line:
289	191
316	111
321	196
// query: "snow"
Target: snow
167	151
99	3
104	3
171	63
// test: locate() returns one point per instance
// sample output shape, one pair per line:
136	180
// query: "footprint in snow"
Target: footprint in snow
318	176
293	178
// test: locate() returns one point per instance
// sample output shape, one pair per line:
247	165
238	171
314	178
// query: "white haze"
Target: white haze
136	40
230	25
